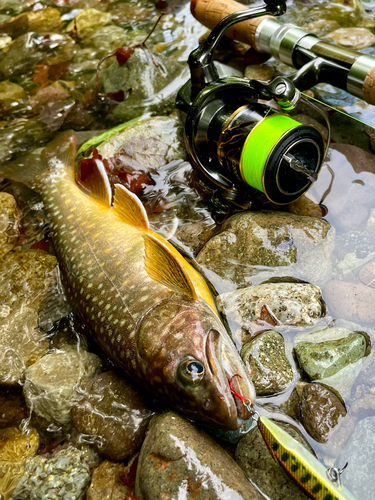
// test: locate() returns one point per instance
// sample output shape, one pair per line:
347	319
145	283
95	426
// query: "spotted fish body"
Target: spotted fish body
299	463
150	330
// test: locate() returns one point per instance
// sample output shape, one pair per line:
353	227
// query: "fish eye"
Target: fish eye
190	372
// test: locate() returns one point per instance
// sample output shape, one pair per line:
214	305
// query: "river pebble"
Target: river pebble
321	411
355	38
51	382
114	413
296	304
269	368
290	245
110	482
15	447
65	476
351	301
87	21
9	222
304	206
24	279
359	453
323	359
177	459
253	456
21	344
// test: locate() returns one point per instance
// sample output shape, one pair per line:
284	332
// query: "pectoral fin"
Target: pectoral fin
93	180
166	266
129	208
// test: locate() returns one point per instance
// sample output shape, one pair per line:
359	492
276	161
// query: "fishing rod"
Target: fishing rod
241	145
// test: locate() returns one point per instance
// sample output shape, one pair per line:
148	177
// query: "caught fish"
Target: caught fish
317	481
149	310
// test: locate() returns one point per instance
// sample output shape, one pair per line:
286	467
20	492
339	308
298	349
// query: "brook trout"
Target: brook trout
149	310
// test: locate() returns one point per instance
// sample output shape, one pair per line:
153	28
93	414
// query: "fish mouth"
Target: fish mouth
217	349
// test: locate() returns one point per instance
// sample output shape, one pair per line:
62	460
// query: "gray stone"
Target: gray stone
269	368
65	476
355	38
323	359
51	382
289	245
178	460
321	411
114	413
9	220
21	344
259	72
147	145
351	301
359	453
152	87
297	304
195	234
367	274
253	456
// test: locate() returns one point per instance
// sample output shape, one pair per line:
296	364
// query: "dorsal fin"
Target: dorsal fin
129	208
166	266
93	179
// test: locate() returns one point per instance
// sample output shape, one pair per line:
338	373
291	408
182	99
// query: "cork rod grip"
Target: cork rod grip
210	12
369	87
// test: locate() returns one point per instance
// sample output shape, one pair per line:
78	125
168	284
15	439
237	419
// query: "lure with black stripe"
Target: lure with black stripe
299	463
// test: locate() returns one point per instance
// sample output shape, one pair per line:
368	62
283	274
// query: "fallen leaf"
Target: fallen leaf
123	54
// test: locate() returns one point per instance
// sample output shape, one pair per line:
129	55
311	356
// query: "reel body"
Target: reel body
240	144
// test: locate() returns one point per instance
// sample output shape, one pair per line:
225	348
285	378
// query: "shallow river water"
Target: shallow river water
68	418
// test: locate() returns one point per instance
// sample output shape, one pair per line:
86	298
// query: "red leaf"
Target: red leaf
123	54
161	4
118	96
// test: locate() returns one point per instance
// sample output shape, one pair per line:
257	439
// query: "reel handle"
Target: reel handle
210	12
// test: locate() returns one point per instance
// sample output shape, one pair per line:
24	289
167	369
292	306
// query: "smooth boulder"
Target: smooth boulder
179	461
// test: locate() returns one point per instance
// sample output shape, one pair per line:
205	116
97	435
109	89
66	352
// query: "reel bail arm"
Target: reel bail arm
202	69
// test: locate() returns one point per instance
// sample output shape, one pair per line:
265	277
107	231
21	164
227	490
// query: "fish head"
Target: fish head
187	356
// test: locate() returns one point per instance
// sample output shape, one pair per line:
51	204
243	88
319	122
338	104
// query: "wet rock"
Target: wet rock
355	38
360	160
269	368
21	344
12	406
40	21
147	145
87	21
194	235
114	413
253	456
259	72
51	382
12	7
15	447
10	91
106	39
19	135
322	27
107	483
370	131
305	206
351	301
176	459
359	453
291	406
274	304
321	411
24	279
367	274
149	83
295	245
309	120
30	48
323	359
9	221
64	476
54	92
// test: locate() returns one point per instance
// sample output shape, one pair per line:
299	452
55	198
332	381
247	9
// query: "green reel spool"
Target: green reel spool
271	152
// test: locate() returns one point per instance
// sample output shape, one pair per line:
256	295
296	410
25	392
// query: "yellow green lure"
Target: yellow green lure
299	463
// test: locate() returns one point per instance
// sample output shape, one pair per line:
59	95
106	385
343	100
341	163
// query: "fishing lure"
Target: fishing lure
311	475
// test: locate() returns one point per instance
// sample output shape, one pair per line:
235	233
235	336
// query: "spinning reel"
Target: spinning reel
240	144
